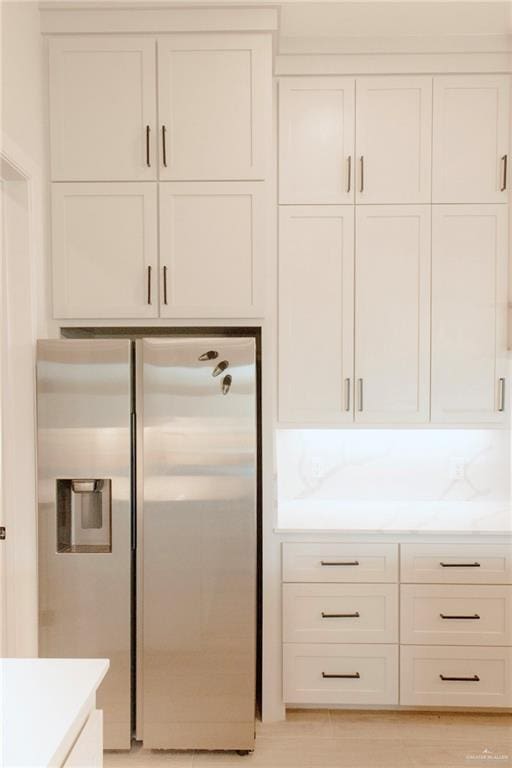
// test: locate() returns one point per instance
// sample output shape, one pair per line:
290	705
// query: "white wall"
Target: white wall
24	309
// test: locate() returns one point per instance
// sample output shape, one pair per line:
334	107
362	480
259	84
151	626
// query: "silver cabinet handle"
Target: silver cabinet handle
164	146
349	173
501	394
148	154
355	615
355	676
472	679
339	562
165	285
504	162
149	285
347	394
359	394
361	173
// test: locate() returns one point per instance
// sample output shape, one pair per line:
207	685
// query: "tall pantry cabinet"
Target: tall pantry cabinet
159	147
410	315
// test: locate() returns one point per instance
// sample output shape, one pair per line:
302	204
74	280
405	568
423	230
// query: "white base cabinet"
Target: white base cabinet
450	676
340	674
87	751
342	643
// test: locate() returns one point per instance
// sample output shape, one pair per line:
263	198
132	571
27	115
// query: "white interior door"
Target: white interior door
105	250
214	106
393	139
392	315
212	249
471	139
469	310
102	108
316	314
316	140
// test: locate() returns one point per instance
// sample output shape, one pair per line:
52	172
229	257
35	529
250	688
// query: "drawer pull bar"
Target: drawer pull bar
445	616
473	679
355	615
459	565
355	676
329	562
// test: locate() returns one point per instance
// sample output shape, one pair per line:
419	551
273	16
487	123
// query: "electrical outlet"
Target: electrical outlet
316	467
457	468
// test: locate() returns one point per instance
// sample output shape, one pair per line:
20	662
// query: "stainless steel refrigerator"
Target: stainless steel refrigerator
147	456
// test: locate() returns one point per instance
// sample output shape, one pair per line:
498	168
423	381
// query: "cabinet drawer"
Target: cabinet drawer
338	562
427	676
450	615
340	674
456	563
340	613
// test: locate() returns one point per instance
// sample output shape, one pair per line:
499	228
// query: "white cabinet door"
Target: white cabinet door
214	106
87	751
212	249
392	315
316	140
104	250
102	103
393	139
469	296
471	139
316	314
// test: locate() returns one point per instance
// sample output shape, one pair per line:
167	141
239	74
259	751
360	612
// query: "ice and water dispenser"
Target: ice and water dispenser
84	515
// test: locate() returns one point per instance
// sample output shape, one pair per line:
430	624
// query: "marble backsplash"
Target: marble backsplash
379	479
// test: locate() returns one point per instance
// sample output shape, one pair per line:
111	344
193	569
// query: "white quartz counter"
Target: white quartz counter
44	704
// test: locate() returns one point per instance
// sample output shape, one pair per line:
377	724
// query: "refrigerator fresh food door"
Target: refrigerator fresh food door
83	412
199	543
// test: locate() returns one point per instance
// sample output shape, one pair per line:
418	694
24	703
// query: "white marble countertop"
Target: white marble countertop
44	705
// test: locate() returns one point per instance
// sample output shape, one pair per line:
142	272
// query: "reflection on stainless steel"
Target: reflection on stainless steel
199	551
83	391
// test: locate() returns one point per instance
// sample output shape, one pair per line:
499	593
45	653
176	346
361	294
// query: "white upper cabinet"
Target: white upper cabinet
471	139
316	314
393	139
104	250
212	249
392	314
102	109
469	295
214	98
316	140
367	140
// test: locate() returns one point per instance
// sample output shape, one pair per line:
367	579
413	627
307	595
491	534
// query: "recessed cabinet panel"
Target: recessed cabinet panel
212	250
392	315
214	106
316	140
471	144
316	313
102	101
469	294
393	139
104	250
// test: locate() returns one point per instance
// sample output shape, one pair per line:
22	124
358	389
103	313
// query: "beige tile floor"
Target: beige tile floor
341	739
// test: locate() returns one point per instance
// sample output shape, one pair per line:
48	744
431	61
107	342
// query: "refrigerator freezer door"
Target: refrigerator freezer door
199	543
83	403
